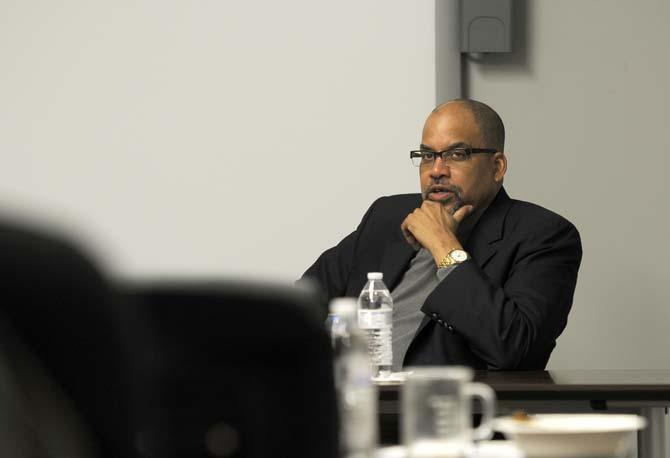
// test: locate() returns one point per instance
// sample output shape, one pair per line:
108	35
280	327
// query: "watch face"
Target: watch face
458	255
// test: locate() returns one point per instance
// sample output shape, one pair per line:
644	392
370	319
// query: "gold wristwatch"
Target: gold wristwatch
453	257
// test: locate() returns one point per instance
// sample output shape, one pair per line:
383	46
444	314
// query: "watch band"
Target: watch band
453	257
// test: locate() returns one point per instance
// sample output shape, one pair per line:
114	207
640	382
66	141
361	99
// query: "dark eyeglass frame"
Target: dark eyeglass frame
446	155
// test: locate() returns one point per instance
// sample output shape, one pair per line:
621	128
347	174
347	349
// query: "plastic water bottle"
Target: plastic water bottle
375	317
356	394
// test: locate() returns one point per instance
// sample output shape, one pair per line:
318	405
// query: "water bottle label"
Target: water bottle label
375	319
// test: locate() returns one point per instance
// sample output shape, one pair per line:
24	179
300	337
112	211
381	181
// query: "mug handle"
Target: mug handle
488	398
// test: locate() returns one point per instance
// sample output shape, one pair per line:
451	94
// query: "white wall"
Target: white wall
586	101
243	138
210	137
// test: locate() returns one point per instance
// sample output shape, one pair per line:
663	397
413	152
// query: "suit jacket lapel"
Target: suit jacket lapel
482	244
399	253
394	262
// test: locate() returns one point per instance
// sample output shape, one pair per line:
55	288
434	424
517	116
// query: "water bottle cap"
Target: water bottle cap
343	306
375	275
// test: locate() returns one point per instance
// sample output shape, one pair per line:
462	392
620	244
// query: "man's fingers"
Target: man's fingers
413	242
409	237
462	213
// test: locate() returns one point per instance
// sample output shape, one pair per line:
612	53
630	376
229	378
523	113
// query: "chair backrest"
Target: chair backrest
164	370
232	369
63	333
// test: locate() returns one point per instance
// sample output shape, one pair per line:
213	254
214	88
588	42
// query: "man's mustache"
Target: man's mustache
455	190
444	188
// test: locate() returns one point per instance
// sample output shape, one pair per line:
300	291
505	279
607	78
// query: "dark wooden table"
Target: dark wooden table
644	392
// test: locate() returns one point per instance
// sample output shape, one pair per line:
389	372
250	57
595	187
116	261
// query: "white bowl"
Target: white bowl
572	435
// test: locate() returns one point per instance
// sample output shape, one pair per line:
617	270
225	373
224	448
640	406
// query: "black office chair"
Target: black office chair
64	346
227	369
232	369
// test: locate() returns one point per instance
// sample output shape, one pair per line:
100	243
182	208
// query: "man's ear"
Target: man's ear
500	166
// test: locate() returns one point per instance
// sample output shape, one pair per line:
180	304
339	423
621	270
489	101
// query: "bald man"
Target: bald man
477	278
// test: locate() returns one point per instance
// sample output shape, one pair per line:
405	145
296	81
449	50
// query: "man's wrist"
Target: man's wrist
443	250
454	258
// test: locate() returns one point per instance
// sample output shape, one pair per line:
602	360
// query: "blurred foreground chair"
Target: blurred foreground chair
165	370
63	356
234	370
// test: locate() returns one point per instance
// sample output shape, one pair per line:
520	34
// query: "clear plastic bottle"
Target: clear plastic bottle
357	395
375	317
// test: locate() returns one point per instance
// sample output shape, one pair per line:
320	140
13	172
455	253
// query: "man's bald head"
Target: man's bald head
471	180
490	125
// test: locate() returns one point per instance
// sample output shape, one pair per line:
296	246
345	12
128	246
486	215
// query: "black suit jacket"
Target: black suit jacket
503	309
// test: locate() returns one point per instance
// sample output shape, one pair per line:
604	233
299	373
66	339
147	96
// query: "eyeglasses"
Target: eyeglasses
423	158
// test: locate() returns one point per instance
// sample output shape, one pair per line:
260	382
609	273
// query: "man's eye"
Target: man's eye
428	156
458	156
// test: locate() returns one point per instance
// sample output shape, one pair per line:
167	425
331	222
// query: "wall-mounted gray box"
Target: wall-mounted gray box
486	25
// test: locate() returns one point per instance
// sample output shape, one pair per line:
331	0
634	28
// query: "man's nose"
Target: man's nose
440	167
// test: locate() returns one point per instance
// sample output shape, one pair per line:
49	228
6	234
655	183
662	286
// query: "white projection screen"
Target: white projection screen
210	138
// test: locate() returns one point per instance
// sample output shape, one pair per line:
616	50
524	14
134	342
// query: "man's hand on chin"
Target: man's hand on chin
433	227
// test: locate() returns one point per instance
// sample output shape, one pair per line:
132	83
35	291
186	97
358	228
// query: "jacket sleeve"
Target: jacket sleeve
513	325
331	270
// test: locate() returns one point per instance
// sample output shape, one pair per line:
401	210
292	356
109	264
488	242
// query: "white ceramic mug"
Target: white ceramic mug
437	412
